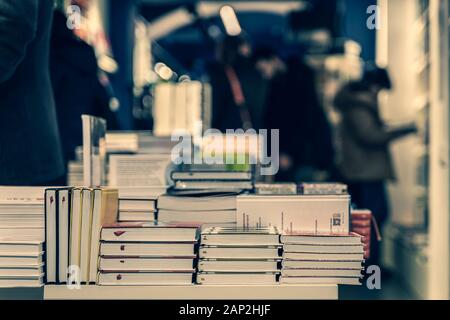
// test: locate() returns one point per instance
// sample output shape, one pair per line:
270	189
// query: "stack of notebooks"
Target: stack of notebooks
138	204
214	178
74	218
21	262
206	210
22	213
239	256
147	254
322	259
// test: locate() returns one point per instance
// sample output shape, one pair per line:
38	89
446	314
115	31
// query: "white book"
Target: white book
324	239
17	210
20	261
295	264
240	236
149	232
136	216
51	211
236	278
238	266
162	110
321	280
23	233
211	175
144	278
220	185
75	227
22	221
149	193
22	282
22	195
216	216
208	203
147	264
309	214
137	205
147	249
63	233
238	253
27	248
355	273
307	248
21	272
324	256
85	241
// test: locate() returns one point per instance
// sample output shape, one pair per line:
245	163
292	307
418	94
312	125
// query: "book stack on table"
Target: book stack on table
239	256
147	254
324	259
138	204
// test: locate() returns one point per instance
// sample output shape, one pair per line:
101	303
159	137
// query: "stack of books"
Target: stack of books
361	224
74	217
21	263
322	259
283	188
206	210
138	203
22	213
213	179
239	256
147	254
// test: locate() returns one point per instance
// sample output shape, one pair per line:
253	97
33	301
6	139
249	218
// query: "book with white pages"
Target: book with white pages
211	175
85	238
321	280
149	193
324	256
182	264
214	216
22	195
307	248
18	260
22	282
294	264
137	205
238	265
220	185
236	278
150	232
321	239
75	227
23	233
64	207
136	216
51	220
192	203
240	236
237	253
144	278
22	221
322	272
21	272
147	249
11	246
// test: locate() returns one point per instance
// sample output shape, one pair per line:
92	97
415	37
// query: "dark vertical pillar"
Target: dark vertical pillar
355	26
120	23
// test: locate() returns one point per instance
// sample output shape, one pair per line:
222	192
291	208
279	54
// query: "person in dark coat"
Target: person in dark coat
238	90
365	162
30	150
76	85
292	106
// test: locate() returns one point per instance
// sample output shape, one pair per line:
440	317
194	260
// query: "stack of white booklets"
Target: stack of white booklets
21	262
138	254
139	203
239	256
22	212
322	259
21	236
206	210
74	217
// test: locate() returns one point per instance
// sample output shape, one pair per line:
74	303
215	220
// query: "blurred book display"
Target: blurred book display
141	258
182	106
94	151
139	203
275	188
314	258
323	189
239	256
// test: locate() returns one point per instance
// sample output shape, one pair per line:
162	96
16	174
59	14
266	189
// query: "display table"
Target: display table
195	292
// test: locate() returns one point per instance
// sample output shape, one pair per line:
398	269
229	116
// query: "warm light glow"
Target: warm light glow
230	21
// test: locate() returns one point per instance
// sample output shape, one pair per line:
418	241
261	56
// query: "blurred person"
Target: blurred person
79	87
292	105
30	151
238	89
365	163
